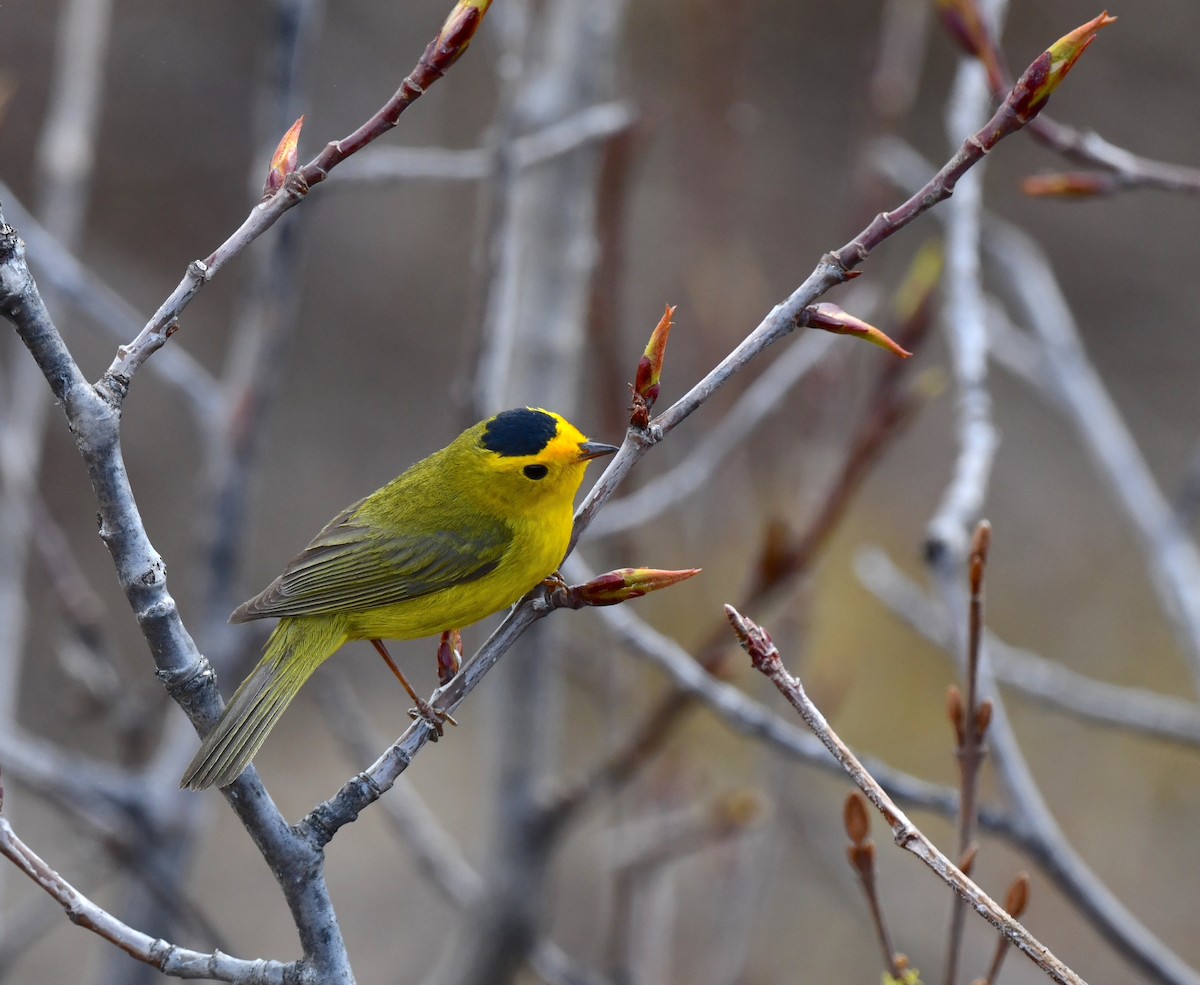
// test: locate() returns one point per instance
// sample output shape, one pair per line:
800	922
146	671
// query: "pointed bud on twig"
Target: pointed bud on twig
755	640
1015	903
284	160
624	584
1071	184
981	542
649	371
456	34
449	655
956	714
1048	70
1018	896
966	861
855	819
983	718
830	318
963	21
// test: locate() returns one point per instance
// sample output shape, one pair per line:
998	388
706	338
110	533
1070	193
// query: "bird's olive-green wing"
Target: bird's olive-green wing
353	565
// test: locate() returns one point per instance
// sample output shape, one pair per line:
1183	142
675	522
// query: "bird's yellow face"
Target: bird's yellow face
534	459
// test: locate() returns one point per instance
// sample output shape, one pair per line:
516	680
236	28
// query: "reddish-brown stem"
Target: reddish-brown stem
970	727
861	855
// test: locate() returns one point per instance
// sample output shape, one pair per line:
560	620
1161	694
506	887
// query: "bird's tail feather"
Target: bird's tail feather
297	647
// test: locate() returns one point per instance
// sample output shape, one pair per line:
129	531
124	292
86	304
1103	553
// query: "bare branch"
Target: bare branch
1111	705
834	268
1073	385
167	958
1045	841
748	717
389	164
761	398
766	659
440	54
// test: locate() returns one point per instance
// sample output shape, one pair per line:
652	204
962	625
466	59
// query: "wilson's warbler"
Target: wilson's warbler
460	535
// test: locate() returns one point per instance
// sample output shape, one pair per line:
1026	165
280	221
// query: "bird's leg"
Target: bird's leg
423	710
449	656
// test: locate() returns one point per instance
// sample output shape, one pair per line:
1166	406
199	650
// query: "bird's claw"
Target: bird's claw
435	718
555	585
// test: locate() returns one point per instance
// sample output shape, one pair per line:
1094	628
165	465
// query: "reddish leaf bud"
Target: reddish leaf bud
449	655
964	23
458	31
830	318
284	160
1018	896
624	584
1071	184
955	712
981	542
649	370
854	818
1043	76
983	718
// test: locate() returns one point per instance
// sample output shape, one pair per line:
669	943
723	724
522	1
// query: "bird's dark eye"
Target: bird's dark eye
535	471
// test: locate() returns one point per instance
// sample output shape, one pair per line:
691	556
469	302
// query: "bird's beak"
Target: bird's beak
594	449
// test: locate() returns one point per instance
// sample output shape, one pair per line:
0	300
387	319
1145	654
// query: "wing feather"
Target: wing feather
354	564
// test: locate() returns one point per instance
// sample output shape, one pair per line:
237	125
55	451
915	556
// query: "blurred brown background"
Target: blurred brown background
745	167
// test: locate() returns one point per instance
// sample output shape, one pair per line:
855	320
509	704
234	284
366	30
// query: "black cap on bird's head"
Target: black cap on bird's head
523	431
531	431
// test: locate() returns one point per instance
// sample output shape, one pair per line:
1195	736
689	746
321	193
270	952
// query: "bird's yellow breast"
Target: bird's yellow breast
537	548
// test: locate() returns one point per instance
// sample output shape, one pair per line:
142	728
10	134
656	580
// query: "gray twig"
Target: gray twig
594	124
665	491
1046	843
167	958
1156	716
1072	384
907	835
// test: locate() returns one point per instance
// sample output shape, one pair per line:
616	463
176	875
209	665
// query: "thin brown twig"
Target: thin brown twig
861	854
970	721
766	659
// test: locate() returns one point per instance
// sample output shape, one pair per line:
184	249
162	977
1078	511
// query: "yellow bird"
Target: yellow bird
462	534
